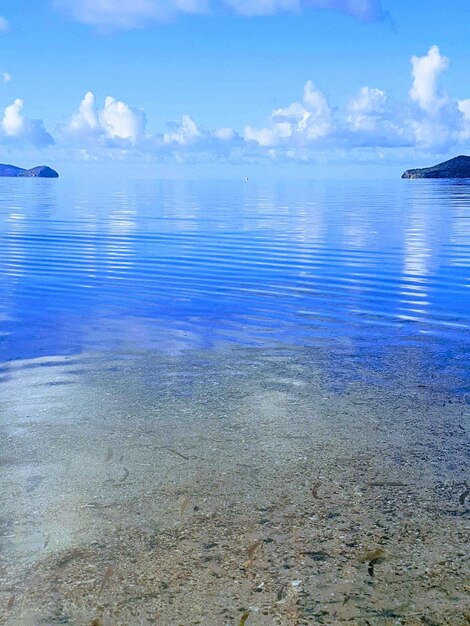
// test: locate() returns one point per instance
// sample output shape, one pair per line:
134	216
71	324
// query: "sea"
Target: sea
278	370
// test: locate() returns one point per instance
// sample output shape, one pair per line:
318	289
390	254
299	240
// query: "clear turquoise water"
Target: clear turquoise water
361	271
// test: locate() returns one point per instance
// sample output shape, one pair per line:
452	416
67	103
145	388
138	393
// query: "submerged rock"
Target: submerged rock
458	167
41	171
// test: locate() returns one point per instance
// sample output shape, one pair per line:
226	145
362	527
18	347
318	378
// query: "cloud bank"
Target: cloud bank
428	119
123	14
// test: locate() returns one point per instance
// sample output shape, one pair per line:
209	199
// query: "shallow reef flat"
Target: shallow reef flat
240	486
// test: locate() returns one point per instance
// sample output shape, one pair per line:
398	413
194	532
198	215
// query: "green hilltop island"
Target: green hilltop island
458	167
41	171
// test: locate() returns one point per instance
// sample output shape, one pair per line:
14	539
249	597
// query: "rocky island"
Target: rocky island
41	171
458	167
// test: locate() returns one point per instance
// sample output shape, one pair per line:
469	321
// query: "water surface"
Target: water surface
235	364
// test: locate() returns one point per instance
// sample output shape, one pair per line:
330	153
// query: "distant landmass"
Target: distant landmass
458	167
41	171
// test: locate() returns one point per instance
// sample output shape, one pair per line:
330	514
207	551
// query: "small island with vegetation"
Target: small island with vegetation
41	171
458	167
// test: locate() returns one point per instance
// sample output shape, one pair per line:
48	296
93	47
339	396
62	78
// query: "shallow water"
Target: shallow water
231	365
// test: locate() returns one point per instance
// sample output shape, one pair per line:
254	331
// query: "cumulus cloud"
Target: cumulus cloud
85	120
366	109
13	122
6	77
16	127
115	122
373	120
185	139
139	13
426	71
439	121
184	133
297	124
4	24
119	121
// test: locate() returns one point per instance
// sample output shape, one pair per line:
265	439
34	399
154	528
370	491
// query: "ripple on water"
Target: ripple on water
174	265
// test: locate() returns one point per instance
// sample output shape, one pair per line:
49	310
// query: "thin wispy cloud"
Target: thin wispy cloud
364	10
6	77
122	14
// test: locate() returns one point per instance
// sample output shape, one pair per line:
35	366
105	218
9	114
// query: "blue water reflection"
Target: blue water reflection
356	269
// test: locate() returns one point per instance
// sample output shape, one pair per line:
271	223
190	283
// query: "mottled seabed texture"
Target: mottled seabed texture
234	403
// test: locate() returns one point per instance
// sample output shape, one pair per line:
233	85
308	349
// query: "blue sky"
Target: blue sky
207	84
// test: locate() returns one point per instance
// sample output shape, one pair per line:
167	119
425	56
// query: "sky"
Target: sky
228	87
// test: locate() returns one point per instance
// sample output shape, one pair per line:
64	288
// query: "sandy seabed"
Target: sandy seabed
240	487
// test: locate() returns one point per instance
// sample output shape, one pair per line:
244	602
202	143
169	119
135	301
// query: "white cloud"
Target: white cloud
4	24
185	140
184	133
224	134
298	124
128	14
85	120
139	13
373	120
439	122
6	77
426	71
17	128
262	7
464	108
366	109
364	10
119	121
13	122
115	122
